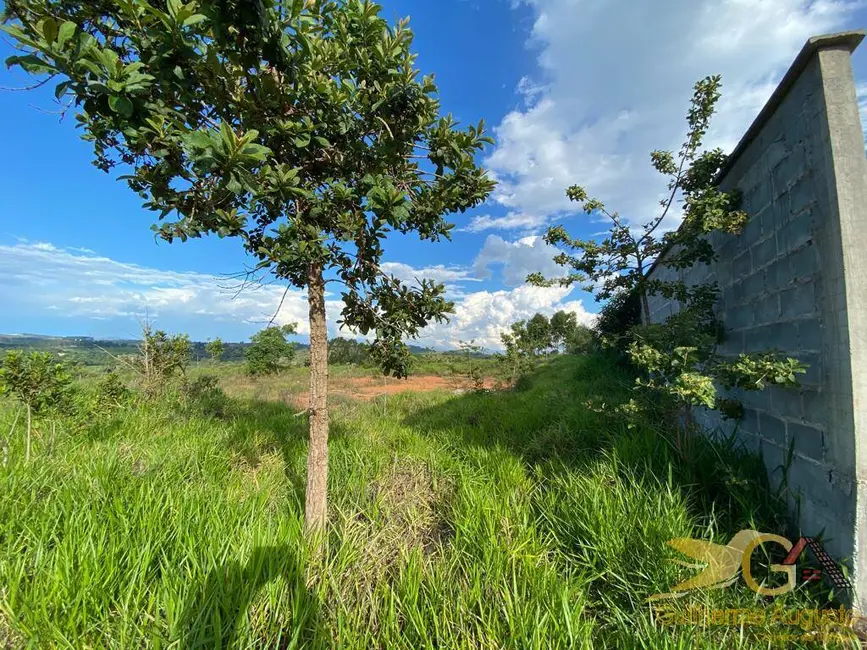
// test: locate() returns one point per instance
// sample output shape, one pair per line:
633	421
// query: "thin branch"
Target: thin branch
38	84
119	360
279	307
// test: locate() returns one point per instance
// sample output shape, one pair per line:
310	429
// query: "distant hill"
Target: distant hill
91	351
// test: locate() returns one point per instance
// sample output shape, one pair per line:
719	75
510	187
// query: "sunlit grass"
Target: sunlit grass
516	519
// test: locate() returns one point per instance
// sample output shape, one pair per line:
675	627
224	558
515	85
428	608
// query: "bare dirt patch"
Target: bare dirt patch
368	388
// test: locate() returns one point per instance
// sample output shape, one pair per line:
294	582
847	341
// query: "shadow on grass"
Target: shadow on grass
547	423
260	428
216	610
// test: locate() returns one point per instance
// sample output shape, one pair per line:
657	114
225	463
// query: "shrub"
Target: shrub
205	396
269	349
111	393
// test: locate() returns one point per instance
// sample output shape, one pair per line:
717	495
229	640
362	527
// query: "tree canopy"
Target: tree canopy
301	127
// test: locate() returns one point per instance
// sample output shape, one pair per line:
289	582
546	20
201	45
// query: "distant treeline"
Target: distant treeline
90	351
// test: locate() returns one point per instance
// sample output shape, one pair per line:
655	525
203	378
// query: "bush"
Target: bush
269	349
204	395
619	315
111	393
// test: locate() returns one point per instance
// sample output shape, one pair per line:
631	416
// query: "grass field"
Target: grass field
504	519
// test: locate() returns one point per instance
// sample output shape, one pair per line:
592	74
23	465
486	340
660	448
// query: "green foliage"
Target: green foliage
204	396
348	352
471	368
269	349
37	381
617	317
678	359
41	385
512	519
161	358
539	336
215	348
303	128
111	393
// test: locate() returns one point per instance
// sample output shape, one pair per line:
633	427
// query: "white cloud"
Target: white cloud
43	279
450	276
517	259
82	285
482	316
512	221
617	79
861	90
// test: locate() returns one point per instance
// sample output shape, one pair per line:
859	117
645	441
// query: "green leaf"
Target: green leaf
302	140
121	105
49	29
30	63
65	32
322	141
195	19
61	88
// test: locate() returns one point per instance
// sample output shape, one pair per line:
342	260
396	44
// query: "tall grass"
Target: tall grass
517	519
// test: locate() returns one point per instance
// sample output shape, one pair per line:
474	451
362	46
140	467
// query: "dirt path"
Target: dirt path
368	388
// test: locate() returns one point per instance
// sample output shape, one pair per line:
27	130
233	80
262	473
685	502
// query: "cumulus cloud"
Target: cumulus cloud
82	285
41	279
483	315
512	221
615	81
516	259
451	276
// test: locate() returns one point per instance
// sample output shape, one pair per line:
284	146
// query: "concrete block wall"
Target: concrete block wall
795	281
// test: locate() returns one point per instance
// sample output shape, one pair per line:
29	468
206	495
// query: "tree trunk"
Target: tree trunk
27	448
645	305
8	440
316	507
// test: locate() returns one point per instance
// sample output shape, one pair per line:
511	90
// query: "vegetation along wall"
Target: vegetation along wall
795	281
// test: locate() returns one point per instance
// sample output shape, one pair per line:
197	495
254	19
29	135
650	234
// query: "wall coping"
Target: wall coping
848	40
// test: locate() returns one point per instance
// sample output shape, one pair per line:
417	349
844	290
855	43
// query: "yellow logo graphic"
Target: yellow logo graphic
721	564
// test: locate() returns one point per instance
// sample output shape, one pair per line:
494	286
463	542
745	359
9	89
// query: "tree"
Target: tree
39	383
303	128
347	351
160	358
268	349
215	348
567	335
678	358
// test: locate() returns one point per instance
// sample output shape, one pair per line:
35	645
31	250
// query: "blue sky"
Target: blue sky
576	91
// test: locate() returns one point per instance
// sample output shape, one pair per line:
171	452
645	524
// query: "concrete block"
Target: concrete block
757	339
774	458
772	429
814	377
778	274
803	262
786	402
799	300
757	400
787	171
749	424
783	336
752	231
737	318
742	265
815	405
796	232
767	309
764	252
802	194
808	440
810	334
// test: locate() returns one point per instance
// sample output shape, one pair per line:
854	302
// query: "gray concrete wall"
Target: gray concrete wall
795	281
